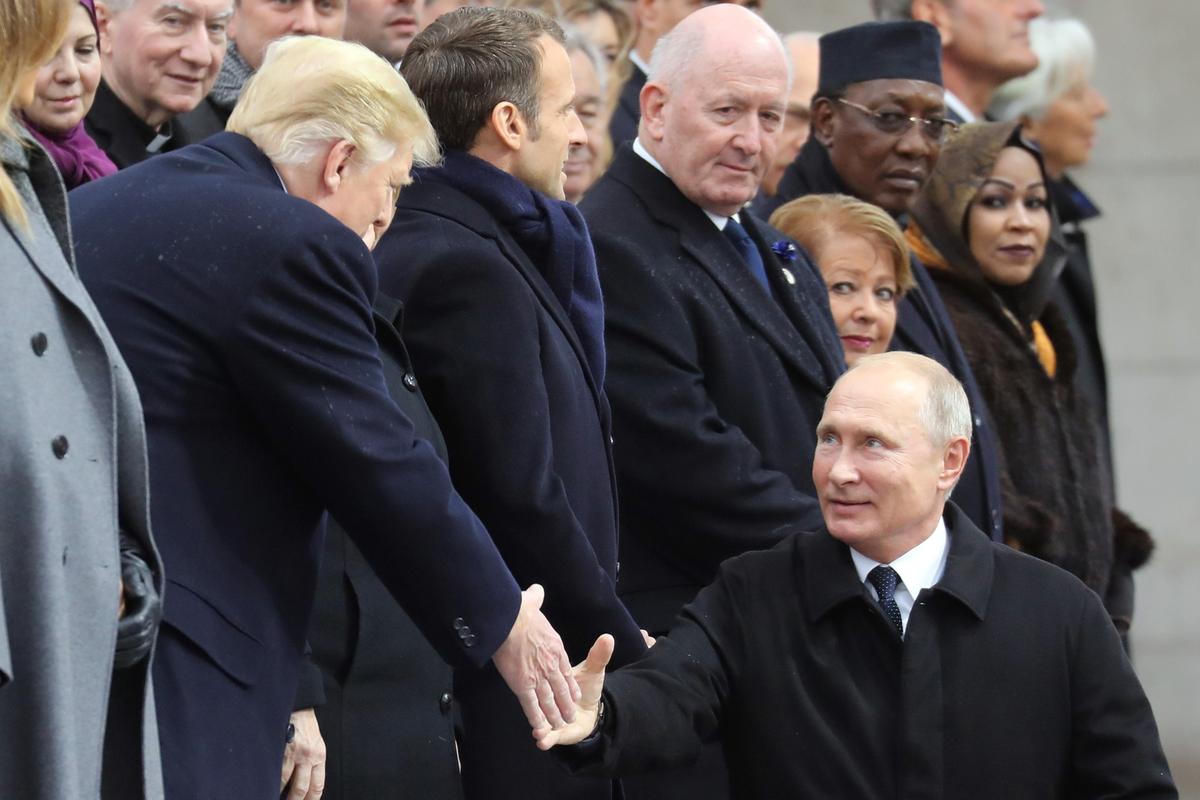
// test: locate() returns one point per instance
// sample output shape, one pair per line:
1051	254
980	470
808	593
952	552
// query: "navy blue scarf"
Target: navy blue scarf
551	232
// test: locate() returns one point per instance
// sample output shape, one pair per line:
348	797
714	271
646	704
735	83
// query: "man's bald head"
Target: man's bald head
713	105
713	35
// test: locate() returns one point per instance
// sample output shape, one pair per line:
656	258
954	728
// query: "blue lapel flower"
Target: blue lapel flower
785	251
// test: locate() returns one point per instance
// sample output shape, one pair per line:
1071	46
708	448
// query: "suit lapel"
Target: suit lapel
718	257
446	201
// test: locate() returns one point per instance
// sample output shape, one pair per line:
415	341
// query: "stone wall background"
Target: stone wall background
1145	175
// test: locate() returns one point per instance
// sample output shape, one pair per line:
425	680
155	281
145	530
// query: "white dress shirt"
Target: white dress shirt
960	108
717	219
919	568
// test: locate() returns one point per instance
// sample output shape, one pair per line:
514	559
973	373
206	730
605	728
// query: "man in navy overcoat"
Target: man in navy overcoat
237	282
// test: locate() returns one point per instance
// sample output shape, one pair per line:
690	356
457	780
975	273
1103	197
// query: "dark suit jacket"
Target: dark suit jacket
623	125
245	317
527	430
1011	682
122	135
716	387
388	715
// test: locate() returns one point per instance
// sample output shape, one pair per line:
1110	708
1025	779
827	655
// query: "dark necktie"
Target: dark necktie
741	240
884	579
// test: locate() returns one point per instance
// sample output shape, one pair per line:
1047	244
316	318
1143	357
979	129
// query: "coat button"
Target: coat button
60	446
410	381
464	632
469	640
446	702
459	624
39	343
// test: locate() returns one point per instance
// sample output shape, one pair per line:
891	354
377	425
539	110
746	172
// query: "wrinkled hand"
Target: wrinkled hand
304	759
590	675
140	608
535	666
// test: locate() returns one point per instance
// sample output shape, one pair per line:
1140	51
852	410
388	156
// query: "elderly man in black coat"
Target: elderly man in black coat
236	277
895	653
721	347
878	122
504	321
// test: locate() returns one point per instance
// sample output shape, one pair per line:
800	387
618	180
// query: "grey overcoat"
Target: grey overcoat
72	462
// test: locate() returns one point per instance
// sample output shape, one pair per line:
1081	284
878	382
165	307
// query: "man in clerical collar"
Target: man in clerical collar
984	44
160	59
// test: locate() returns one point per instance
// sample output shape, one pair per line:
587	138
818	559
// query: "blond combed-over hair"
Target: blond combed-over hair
311	91
30	31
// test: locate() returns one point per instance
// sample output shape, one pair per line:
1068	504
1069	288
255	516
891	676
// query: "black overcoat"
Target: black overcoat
527	431
245	317
388	712
716	387
1010	683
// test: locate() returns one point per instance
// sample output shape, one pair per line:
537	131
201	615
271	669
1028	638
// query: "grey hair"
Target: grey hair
945	413
1066	54
676	52
576	42
892	9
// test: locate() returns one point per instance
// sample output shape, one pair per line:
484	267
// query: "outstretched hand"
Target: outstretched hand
590	676
534	664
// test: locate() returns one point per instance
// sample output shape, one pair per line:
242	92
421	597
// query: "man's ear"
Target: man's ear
337	164
954	460
104	22
822	121
653	101
508	125
936	14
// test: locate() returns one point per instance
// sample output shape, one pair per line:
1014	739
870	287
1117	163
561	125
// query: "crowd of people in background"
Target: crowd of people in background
369	363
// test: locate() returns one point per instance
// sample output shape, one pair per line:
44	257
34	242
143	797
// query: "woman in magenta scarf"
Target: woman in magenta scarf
65	88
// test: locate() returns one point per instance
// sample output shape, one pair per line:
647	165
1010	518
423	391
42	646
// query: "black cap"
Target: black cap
907	50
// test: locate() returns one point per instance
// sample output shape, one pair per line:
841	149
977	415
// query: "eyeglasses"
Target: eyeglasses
935	129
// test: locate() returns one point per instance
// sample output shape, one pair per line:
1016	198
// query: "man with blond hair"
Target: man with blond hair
240	293
895	652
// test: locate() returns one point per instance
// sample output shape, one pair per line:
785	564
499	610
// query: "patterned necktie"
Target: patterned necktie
741	240
884	579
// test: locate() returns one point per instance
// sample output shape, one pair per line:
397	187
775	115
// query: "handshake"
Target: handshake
561	704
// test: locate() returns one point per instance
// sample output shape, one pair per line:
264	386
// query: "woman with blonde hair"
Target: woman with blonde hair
79	577
863	259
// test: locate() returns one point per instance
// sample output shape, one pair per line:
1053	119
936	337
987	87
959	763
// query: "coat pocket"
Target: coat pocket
234	651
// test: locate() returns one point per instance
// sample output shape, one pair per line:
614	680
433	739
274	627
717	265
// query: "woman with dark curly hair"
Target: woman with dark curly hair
985	225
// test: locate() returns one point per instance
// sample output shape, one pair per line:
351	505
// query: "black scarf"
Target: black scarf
551	232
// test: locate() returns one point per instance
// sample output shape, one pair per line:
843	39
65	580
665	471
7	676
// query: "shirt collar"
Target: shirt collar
960	108
639	62
717	219
920	568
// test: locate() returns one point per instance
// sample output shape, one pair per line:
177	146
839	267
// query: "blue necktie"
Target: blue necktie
885	579
735	233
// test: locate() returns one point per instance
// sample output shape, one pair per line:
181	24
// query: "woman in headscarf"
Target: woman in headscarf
63	93
79	576
1060	109
985	226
